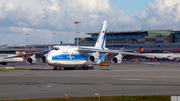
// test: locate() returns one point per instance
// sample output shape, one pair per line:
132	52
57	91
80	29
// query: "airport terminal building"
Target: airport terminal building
151	40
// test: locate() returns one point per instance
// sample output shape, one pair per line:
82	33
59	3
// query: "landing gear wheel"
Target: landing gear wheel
69	68
164	59
91	68
59	68
55	68
88	68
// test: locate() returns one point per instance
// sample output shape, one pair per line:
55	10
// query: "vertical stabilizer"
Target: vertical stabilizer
142	50
101	41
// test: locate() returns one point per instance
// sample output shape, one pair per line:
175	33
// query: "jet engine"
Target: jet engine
117	59
171	58
94	57
31	60
43	59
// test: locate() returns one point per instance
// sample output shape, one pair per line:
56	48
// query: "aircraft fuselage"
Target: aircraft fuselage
68	56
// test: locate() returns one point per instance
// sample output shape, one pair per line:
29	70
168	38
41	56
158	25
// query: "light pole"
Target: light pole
54	37
27	42
77	31
171	39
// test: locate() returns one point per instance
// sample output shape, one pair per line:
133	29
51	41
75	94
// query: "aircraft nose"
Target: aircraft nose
21	59
48	58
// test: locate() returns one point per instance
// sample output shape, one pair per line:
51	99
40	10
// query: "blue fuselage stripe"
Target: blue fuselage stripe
66	57
75	57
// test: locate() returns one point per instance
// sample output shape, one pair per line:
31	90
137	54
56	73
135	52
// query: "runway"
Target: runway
127	78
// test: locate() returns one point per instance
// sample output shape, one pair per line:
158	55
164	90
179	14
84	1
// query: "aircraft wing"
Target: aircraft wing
39	52
115	51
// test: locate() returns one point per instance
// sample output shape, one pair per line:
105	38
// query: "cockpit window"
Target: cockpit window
56	48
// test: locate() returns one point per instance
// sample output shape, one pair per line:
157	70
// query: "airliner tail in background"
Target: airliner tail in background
142	50
4	61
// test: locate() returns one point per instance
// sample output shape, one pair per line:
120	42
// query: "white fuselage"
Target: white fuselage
9	60
68	56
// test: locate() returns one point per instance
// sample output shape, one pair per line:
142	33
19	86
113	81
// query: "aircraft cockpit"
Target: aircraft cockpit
55	48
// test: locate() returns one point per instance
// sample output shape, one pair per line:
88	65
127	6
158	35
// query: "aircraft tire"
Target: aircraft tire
88	68
55	68
59	68
164	59
69	68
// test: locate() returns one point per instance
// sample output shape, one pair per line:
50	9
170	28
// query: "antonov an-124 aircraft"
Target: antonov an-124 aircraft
70	57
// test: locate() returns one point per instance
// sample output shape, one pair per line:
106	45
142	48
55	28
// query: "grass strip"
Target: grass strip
12	69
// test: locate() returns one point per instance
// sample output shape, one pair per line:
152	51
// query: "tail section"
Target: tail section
101	41
142	50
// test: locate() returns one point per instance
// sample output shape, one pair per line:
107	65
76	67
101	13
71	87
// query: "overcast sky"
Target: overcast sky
40	18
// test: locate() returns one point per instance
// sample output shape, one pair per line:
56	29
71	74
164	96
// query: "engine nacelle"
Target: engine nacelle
93	58
31	60
117	59
43	59
171	58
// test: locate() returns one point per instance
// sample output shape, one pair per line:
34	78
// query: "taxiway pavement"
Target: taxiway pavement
127	78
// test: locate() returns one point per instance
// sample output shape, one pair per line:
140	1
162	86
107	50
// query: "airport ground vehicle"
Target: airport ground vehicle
104	64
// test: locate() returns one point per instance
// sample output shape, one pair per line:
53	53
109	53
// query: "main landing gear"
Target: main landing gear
90	67
57	68
60	68
69	68
86	67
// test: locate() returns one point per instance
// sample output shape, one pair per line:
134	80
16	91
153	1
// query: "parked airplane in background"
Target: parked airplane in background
4	61
71	57
169	56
